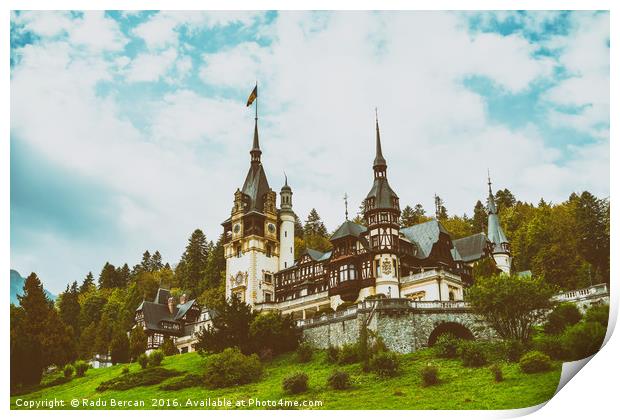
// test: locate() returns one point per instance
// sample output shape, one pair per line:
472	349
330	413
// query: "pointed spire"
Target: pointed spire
255	152
491	199
379	159
346	206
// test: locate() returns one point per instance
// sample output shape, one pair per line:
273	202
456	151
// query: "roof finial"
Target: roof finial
346	206
285	179
489	179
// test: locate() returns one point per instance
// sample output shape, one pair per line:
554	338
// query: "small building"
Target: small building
100	361
164	318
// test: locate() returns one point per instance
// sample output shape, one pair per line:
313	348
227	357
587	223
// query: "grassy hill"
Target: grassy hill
460	387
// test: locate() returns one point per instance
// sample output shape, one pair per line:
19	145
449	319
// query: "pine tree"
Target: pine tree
88	282
119	348
122	276
191	269
504	199
314	225
216	266
156	263
299	229
107	278
145	265
69	307
137	342
480	218
86	347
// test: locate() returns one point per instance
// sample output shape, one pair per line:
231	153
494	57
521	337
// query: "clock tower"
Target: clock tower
252	243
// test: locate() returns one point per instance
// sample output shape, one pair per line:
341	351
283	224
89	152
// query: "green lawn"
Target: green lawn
460	387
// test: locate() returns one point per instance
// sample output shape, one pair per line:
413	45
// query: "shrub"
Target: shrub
156	357
296	383
266	355
514	349
339	380
377	344
119	348
447	345
584	339
333	354
562	316
271	330
553	346
188	381
125	370
143	360
496	370
535	361
349	353
231	367
598	313
80	368
304	353
472	353
430	375
141	378
385	364
68	371
169	348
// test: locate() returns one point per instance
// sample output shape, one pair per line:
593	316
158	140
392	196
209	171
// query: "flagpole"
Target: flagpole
256	106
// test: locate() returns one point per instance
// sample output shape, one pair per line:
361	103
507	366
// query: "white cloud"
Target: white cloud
235	67
97	32
147	67
45	24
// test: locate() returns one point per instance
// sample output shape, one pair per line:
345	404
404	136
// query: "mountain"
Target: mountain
17	288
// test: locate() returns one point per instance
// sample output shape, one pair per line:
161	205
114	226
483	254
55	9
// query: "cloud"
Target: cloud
165	155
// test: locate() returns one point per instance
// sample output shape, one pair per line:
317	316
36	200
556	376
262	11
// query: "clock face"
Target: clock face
271	228
237	228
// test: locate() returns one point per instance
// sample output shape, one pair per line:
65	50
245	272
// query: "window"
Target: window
238	251
284	264
268	278
268	251
352	272
267	297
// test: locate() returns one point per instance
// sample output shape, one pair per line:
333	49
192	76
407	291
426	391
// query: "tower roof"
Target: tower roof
379	159
384	196
348	228
255	186
494	232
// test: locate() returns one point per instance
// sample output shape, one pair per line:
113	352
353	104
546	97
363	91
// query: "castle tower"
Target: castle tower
501	247
287	227
252	245
381	213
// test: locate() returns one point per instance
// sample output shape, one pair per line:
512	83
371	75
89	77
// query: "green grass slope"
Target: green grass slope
460	387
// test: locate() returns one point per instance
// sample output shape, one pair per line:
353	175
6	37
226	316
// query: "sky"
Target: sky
130	129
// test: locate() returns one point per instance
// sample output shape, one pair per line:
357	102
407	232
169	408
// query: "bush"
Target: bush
339	380
231	367
598	313
266	355
169	348
156	357
68	371
304	353
584	339
349	353
188	381
119	348
296	383
472	353
125	370
430	375
80	368
553	346
447	346
496	370
514	349
271	330
385	364
535	361
333	354
141	378
564	315
143	360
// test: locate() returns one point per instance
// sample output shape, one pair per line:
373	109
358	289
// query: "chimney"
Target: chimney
183	299
171	304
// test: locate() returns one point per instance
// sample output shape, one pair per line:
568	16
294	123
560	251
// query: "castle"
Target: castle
376	259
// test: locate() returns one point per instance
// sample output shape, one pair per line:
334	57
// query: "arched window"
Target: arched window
238	251
268	251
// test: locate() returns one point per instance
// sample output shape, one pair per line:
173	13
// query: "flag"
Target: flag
252	96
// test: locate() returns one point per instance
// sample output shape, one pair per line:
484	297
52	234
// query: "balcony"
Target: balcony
587	293
430	274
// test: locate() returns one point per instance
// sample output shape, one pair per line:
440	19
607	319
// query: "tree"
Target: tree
119	348
191	269
440	209
107	278
479	221
215	270
145	265
314	225
168	347
299	229
412	216
69	306
122	276
504	199
231	328
511	304
88	283
275	332
156	263
137	342
86	346
459	227
26	353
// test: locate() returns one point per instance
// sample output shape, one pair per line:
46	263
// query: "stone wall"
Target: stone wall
402	331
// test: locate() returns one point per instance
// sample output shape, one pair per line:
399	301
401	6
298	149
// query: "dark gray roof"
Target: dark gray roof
472	248
154	313
348	228
494	232
318	255
383	194
424	236
255	187
379	159
182	308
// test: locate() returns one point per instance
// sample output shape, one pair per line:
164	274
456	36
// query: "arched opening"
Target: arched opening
456	329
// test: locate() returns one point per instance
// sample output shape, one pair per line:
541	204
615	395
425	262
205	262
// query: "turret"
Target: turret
501	246
287	226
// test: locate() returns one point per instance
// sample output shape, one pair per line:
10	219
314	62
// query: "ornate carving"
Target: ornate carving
239	280
386	266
